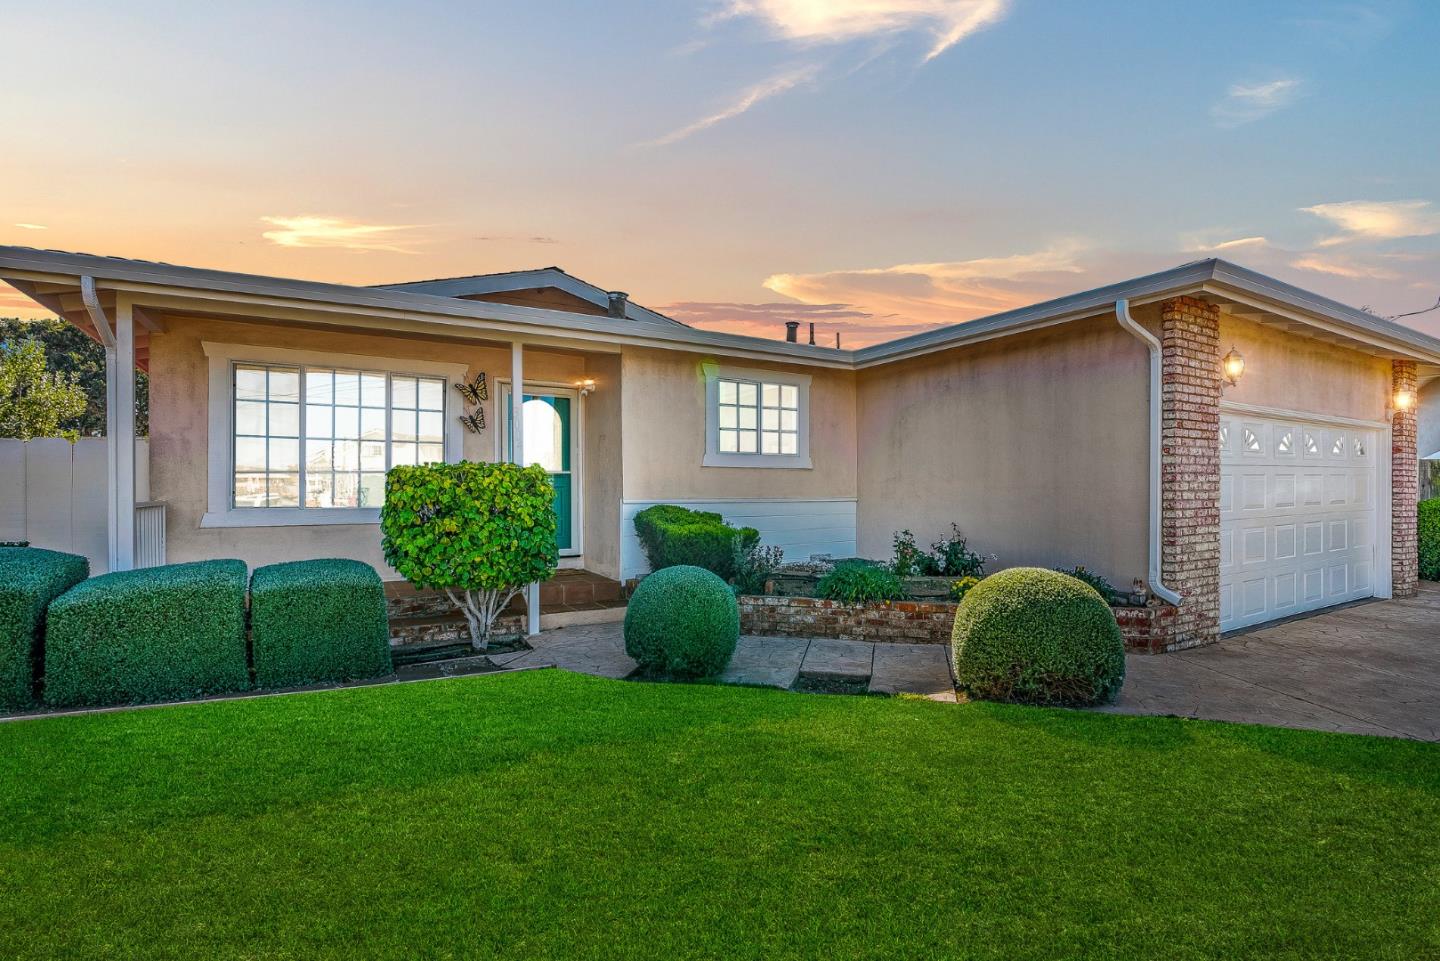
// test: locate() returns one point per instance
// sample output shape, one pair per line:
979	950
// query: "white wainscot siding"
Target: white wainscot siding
798	527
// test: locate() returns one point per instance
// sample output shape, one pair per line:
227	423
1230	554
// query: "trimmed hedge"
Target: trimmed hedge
682	622
156	634
677	536
1037	637
321	620
1429	536
30	578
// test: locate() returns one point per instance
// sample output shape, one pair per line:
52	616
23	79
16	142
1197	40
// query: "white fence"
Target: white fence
52	494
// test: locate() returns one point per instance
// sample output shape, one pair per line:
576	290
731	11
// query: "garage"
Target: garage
1298	516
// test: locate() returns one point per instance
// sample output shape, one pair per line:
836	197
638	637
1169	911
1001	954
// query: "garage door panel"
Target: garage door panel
1297	527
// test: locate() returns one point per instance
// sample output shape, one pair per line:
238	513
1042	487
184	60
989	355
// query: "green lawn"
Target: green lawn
545	814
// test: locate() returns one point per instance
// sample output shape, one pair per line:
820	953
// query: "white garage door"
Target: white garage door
1297	517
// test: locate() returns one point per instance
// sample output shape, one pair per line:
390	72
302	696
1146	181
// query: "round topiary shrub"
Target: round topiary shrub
682	621
1034	636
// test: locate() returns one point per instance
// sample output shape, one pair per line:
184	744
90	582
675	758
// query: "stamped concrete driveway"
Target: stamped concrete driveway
1370	668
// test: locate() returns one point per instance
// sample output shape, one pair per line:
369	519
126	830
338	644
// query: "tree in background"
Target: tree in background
34	401
70	352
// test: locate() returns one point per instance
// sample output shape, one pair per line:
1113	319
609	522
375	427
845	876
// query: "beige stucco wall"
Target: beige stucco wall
1291	372
1035	445
179	435
664	434
601	448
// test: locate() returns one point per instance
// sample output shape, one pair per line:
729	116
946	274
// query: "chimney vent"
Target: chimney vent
812	333
618	301
792	330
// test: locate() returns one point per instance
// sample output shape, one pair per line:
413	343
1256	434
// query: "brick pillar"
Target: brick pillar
1404	487
1190	466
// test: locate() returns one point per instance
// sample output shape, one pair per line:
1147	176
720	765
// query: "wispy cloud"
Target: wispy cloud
764	90
1247	102
1378	219
855	327
310	230
31	226
518	239
1197	245
1342	267
946	22
908	297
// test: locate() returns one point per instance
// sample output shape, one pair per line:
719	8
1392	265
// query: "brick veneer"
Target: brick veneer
1190	467
1404	489
1144	629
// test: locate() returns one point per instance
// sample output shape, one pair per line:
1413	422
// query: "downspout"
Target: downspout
1122	314
96	312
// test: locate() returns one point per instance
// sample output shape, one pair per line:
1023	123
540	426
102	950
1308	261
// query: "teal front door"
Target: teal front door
547	441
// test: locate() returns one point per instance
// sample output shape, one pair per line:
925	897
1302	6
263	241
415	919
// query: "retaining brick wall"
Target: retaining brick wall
1145	629
1405	484
1190	467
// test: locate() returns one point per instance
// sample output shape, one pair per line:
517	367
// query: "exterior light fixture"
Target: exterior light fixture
1232	366
1404	400
586	386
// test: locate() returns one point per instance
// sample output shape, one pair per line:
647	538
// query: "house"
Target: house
1096	429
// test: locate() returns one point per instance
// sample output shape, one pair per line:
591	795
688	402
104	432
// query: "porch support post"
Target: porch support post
122	437
517	455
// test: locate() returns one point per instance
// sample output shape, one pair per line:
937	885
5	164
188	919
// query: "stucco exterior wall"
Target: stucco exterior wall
664	434
601	466
1036	445
1291	372
179	432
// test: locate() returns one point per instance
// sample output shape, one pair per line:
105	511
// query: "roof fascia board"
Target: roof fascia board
205	285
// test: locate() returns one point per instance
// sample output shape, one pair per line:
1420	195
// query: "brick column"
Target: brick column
1190	466
1404	488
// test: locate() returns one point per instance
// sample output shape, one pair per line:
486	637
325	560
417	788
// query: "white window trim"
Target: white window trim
714	458
221	511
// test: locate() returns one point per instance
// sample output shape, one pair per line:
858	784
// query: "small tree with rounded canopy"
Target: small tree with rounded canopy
479	532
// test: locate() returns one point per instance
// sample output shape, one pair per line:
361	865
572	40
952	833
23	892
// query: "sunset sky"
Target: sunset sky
878	166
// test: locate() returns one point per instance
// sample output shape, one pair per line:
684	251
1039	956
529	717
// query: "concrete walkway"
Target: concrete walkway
1370	668
782	662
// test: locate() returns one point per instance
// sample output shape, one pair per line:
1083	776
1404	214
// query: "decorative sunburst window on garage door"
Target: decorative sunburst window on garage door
1359	447
1249	441
1224	435
1286	444
1311	445
1337	449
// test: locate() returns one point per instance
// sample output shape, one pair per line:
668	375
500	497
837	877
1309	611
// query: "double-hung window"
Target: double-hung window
756	419
304	437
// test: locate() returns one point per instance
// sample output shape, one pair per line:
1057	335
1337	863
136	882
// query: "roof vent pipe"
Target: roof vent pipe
1122	314
812	333
792	330
618	302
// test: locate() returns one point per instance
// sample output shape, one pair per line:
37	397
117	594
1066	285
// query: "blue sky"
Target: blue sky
877	165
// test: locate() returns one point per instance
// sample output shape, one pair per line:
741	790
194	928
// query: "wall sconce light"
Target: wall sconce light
1404	401
1232	365
586	386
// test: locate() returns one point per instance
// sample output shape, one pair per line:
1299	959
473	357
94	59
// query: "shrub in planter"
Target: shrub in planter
156	634
754	567
961	587
860	583
479	532
1102	587
673	536
682	621
30	578
1037	637
1429	536
321	620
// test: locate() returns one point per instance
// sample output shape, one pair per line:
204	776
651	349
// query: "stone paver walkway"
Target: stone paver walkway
763	661
1371	668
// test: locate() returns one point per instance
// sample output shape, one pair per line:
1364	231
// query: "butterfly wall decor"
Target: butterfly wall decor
475	422
476	391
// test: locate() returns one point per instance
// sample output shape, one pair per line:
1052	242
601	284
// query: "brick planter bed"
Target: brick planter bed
1145	629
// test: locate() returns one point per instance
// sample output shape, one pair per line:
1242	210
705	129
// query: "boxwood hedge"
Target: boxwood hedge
156	634
30	578
321	620
682	622
1429	537
673	536
1037	637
